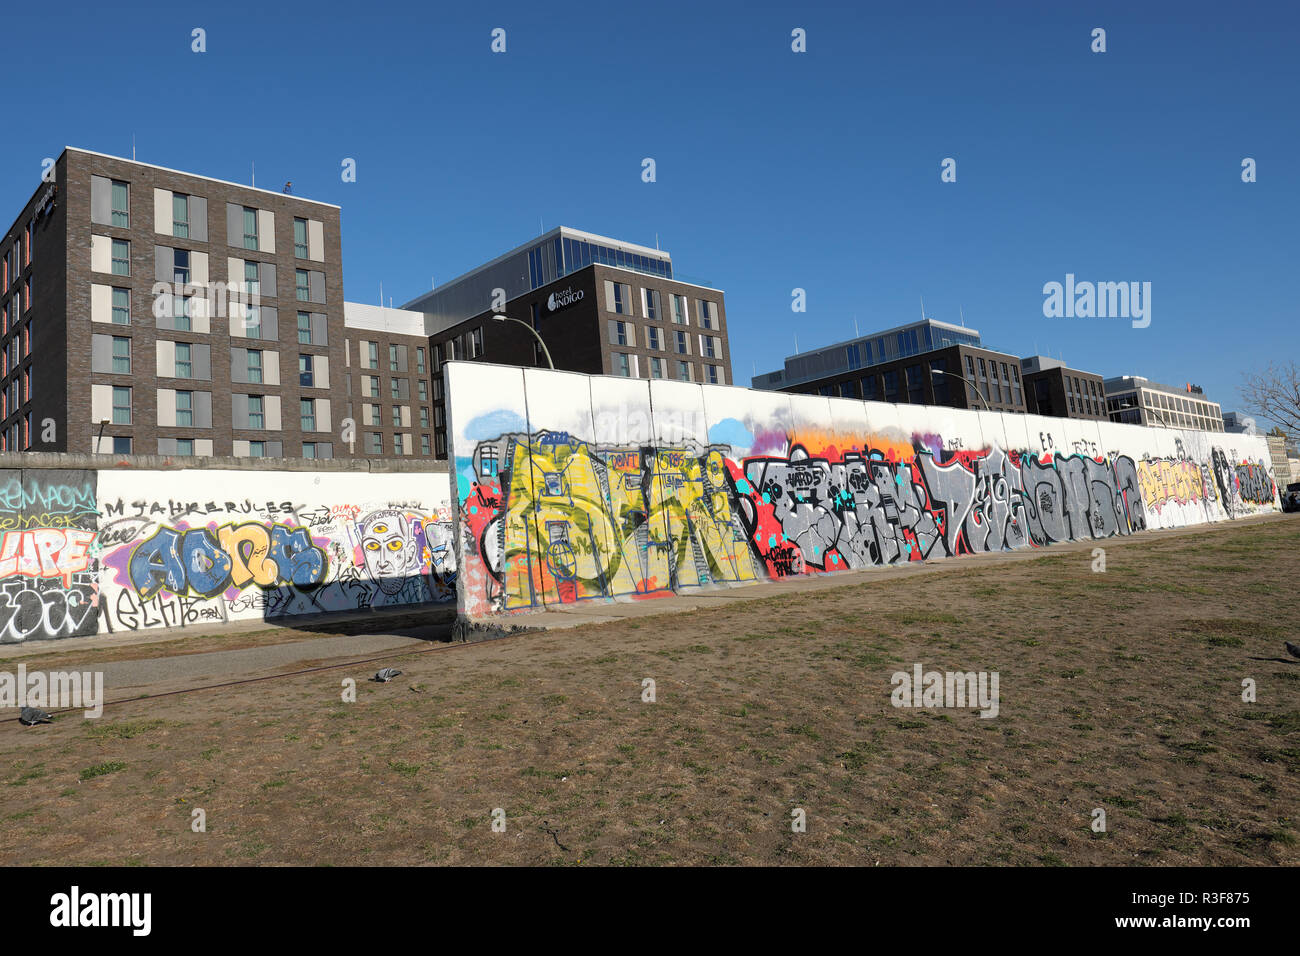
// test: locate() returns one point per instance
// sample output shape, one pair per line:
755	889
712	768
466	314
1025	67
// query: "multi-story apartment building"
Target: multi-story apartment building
1138	401
600	306
391	384
151	311
922	363
1052	388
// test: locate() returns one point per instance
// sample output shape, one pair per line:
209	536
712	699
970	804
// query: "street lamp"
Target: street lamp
545	350
100	441
1152	410
939	371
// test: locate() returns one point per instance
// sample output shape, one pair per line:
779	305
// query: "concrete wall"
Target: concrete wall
141	543
572	487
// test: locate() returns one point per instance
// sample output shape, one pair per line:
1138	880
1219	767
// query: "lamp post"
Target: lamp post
545	350
1152	410
100	441
939	371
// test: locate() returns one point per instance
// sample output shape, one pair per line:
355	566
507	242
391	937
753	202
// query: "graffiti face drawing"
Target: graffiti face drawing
388	547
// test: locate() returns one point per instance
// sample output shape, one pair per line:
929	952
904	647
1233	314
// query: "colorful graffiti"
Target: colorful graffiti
87	552
48	585
550	517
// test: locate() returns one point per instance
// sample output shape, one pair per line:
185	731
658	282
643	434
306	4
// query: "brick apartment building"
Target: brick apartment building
147	310
151	311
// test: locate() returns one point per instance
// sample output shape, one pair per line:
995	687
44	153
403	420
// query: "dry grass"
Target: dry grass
1119	690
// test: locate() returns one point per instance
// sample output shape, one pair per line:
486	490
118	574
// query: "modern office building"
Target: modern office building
151	311
1052	388
600	306
923	363
1134	400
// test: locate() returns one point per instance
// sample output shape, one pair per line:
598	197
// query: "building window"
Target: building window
419	361
253	322
424	445
250	228
121	405
121	257
180	216
184	409
711	372
440	442
476	341
181	266
683	343
397	415
300	238
622	364
371	384
304	328
652	304
185	446
375	418
374	443
306	373
121	355
309	449
424	417
652	338
252	282
256	417
620	298
891	385
397	444
181	309
620	333
708	314
121	312
257	449
302	285
710	347
121	201
184	362
121	445
372	354
437	389
679	308
307	408
656	368
684	371
254	366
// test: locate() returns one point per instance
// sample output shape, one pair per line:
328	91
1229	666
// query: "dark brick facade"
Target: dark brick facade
61	315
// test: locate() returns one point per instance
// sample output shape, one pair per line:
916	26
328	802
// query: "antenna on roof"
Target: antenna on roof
963	316
656	241
133	147
922	308
254	175
856	333
381	293
796	343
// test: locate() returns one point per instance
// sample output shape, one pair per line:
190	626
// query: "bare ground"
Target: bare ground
1119	691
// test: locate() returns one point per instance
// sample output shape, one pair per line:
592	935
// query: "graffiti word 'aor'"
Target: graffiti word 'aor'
199	561
45	553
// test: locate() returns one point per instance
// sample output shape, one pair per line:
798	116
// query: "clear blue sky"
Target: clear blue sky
775	170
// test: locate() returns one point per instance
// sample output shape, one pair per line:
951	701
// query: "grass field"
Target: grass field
1119	690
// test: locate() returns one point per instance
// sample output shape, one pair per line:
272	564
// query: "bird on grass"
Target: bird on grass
1292	649
387	674
31	715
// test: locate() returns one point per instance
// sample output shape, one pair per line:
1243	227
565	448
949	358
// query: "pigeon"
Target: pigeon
30	715
387	674
1294	649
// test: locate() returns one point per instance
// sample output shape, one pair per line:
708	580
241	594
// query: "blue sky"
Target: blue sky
775	170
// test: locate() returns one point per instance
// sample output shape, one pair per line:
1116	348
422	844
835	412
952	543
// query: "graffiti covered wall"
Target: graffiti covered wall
574	488
86	552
